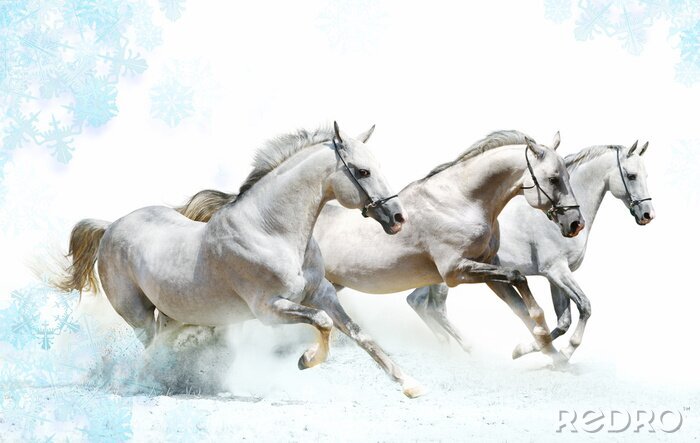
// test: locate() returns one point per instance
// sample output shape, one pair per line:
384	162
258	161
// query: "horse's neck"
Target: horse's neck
287	201
589	185
488	181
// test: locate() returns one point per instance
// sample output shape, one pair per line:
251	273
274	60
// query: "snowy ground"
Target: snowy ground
484	396
348	399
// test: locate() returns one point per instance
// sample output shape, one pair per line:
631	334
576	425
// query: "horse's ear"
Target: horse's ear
631	151
557	141
644	148
366	135
532	146
337	132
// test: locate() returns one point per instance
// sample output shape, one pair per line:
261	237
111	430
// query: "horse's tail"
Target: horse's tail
204	204
84	243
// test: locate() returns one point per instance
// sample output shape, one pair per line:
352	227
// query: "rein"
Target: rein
372	202
633	202
555	209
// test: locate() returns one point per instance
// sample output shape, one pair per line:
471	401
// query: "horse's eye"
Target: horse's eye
362	173
631	176
554	180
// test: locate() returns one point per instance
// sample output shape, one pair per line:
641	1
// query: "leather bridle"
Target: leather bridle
555	209
372	202
632	201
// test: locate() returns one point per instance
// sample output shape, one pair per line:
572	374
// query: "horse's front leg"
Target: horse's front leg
326	299
564	279
279	310
470	271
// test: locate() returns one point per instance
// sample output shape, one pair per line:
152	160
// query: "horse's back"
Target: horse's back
152	239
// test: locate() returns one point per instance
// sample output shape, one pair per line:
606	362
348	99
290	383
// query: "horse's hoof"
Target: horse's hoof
301	364
519	351
567	352
413	389
310	358
560	361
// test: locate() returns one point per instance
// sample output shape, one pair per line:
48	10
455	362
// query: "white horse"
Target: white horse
452	235
532	245
254	259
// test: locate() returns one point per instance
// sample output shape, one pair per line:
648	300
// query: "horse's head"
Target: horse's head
627	181
546	187
358	182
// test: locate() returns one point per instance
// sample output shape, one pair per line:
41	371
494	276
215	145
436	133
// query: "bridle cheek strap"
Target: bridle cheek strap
633	202
555	209
372	203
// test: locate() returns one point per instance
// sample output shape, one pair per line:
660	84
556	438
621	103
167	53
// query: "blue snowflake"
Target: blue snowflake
20	130
95	102
171	102
629	21
22	323
173	9
59	138
50	49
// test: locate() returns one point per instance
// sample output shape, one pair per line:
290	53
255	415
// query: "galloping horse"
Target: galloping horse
532	245
254	259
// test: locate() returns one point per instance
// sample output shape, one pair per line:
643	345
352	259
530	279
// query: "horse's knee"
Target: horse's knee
323	321
516	277
536	313
585	313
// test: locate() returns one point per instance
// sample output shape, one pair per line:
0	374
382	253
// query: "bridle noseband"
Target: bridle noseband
632	201
372	202
555	209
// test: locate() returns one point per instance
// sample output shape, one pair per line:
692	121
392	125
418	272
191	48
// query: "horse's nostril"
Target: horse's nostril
647	216
398	218
575	225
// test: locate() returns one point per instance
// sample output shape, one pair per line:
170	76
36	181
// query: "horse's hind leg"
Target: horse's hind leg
429	304
325	298
278	310
131	304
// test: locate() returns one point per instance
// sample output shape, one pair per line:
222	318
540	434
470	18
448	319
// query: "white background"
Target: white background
434	79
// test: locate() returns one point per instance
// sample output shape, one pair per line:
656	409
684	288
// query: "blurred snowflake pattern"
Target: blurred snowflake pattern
629	21
61	63
73	53
184	87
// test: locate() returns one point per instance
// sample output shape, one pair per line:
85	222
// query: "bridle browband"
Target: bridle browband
632	201
372	202
555	209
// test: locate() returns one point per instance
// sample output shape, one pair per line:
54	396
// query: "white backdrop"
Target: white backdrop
434	79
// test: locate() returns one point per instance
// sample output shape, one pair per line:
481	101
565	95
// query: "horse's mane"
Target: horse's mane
279	149
271	155
585	155
494	140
